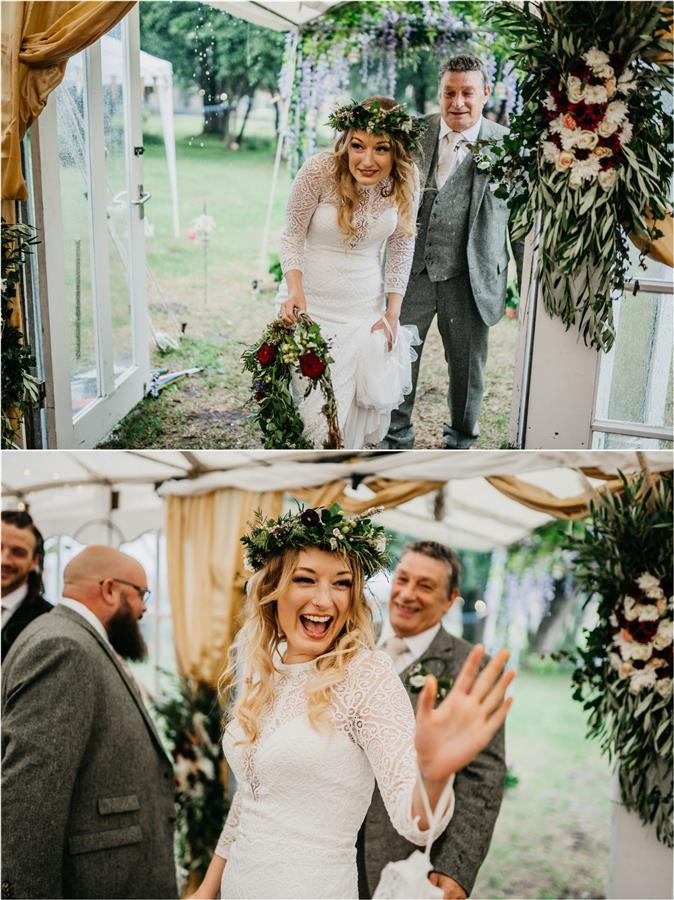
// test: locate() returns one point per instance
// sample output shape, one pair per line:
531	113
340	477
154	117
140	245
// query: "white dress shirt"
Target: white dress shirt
418	644
87	614
452	150
12	601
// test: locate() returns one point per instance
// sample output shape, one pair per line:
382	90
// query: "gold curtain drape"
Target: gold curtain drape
206	575
387	493
577	507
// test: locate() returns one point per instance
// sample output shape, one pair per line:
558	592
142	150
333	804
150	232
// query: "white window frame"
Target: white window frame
117	397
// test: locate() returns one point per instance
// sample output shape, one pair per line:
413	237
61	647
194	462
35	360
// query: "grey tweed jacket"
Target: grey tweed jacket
87	789
488	218
461	849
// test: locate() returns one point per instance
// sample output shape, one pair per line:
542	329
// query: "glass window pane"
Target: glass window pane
117	199
603	441
73	153
635	381
656	271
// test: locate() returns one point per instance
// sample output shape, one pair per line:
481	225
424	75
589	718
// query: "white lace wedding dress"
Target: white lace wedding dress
344	289
303	794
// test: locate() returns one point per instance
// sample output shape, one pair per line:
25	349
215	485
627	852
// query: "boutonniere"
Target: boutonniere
430	665
485	152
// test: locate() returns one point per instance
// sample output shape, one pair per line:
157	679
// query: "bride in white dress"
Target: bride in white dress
322	714
345	207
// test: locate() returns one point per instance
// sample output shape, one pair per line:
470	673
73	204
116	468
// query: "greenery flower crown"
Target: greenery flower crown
281	350
396	122
324	527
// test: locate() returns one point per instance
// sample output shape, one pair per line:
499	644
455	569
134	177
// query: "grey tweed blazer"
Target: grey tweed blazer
461	849
488	221
87	789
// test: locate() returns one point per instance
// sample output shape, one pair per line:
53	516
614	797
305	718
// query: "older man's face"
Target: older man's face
462	98
420	594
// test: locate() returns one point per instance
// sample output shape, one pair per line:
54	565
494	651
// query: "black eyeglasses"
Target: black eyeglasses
143	593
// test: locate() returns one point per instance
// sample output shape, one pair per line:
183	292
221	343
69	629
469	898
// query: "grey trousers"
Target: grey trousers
464	338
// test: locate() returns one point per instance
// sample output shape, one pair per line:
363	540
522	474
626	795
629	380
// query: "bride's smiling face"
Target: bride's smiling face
312	611
370	157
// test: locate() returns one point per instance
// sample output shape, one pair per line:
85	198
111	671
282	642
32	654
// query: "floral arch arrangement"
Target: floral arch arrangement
281	351
623	675
590	154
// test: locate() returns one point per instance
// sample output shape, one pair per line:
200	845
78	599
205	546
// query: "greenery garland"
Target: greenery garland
623	675
20	388
591	151
281	351
191	723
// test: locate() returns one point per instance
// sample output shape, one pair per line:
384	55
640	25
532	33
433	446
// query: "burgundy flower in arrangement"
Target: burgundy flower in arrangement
311	365
310	518
266	354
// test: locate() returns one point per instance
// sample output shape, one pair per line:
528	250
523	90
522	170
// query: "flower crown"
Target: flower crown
396	122
323	527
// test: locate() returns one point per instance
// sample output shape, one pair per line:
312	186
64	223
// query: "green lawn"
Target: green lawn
552	836
212	410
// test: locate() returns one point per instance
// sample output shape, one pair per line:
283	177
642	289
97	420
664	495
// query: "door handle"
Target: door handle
143	197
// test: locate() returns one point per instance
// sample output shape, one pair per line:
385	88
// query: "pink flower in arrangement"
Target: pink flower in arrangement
191	234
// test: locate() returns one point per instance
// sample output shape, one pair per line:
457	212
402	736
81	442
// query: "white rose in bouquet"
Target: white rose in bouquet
596	58
574	89
640	679
564	160
596	93
587	140
606	128
664	635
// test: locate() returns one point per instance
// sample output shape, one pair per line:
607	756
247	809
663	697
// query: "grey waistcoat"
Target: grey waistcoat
442	224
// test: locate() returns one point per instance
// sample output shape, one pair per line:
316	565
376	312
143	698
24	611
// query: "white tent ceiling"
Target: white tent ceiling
281	15
71	492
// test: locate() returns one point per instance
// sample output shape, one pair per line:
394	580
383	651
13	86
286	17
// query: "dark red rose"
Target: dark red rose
259	396
580	69
311	365
266	353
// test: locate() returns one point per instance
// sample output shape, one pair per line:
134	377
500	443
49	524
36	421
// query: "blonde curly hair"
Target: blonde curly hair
259	637
403	177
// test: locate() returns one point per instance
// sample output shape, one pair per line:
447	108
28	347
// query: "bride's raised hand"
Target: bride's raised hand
389	325
295	304
450	736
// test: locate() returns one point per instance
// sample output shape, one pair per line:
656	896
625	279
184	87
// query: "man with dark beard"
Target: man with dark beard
88	802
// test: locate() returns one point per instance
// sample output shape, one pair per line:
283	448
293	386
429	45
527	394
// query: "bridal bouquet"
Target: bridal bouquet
588	159
281	351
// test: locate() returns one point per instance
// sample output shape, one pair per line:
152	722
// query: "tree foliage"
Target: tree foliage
218	53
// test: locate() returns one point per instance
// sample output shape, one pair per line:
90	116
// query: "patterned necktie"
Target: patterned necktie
448	158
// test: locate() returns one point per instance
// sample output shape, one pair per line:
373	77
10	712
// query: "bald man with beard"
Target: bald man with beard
87	788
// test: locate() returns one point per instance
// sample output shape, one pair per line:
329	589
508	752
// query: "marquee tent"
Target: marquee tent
68	490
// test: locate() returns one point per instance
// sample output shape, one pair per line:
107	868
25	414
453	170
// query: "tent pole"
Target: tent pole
165	94
283	127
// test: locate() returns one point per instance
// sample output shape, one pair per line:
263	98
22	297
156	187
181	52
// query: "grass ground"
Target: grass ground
552	836
211	410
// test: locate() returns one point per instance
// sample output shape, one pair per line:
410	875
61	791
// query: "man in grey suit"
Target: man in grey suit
425	585
460	265
87	789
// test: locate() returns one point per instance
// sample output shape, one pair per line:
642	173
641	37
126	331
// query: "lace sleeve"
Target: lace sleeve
305	195
228	833
400	250
381	722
